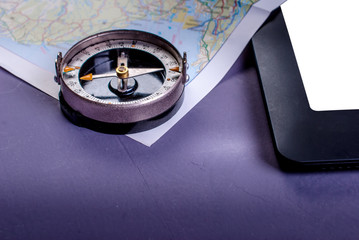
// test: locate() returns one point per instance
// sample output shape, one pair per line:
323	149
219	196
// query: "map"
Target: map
212	32
38	30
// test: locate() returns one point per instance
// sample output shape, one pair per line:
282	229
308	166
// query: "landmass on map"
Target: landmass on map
39	29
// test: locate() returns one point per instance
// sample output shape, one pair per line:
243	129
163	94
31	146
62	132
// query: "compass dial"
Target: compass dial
121	76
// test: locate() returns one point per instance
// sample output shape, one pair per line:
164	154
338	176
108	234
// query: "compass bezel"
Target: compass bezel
129	112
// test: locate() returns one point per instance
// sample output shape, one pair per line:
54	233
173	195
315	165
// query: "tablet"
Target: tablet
310	94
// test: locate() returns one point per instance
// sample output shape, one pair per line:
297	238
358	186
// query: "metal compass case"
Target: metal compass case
115	80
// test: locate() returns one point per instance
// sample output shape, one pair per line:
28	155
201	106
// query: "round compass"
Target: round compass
120	77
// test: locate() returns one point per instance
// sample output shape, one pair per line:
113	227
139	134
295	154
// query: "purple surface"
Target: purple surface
213	176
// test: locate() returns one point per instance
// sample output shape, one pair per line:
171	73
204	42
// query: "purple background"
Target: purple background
213	176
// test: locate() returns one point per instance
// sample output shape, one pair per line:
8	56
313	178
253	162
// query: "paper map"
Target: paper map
37	30
47	27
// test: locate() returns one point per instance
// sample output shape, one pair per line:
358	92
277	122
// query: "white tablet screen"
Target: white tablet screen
325	39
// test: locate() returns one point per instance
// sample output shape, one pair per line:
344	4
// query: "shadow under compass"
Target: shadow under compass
117	128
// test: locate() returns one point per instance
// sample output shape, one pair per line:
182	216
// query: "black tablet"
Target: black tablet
305	136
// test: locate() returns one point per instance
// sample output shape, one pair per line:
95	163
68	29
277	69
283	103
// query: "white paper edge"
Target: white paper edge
29	72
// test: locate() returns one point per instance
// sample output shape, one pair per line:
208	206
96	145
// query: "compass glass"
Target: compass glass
138	87
94	72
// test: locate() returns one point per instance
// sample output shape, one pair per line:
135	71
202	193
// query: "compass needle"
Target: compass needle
126	76
134	72
90	77
87	77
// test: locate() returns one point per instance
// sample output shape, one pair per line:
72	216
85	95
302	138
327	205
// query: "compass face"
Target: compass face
138	87
102	59
121	76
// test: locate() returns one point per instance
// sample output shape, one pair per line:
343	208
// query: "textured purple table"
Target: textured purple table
213	176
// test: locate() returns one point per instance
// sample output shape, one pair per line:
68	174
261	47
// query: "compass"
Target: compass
120	77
